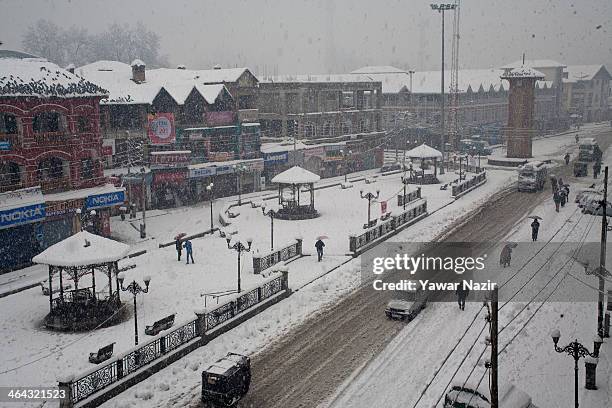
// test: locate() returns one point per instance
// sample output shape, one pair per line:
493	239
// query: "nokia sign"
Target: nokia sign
22	215
105	200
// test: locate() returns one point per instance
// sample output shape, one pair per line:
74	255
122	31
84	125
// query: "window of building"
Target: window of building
347	127
51	168
87	169
83	124
10	176
8	123
309	130
46	122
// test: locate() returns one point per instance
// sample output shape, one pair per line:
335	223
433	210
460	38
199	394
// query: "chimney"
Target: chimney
70	68
138	71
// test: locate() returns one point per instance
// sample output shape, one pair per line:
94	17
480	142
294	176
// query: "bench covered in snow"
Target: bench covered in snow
103	354
162	324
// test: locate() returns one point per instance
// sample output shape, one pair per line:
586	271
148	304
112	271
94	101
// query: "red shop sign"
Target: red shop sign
171	177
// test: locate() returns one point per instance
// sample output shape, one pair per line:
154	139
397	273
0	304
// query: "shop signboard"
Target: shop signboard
202	172
22	215
170	177
5	145
276	158
315	151
58	208
220	156
171	159
255	165
224	170
161	129
220	118
105	200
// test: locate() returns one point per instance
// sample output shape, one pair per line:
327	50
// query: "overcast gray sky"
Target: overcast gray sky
318	36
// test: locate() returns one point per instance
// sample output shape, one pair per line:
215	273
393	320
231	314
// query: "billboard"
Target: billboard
22	215
161	129
202	172
276	158
173	159
105	200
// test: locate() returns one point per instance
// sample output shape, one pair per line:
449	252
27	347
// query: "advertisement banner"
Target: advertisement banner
276	158
170	177
315	151
383	207
57	208
202	172
5	145
161	129
172	159
22	215
221	118
105	200
224	170
220	156
256	165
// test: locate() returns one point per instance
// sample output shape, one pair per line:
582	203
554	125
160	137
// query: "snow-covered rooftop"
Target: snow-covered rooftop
81	249
523	72
296	175
381	69
41	78
179	83
577	73
424	152
318	78
82	193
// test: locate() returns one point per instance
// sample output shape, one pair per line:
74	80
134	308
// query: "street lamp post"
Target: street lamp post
240	169
134	288
143	226
405	181
271	212
239	247
369	196
441	8
209	188
85	218
346	155
576	350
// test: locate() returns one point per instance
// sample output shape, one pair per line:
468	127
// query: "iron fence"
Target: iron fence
357	242
409	197
462	187
261	263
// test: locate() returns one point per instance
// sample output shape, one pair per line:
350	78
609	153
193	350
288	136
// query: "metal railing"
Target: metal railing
261	263
86	384
464	186
409	197
357	242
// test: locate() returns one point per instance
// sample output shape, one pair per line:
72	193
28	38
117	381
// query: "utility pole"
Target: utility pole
494	346
602	257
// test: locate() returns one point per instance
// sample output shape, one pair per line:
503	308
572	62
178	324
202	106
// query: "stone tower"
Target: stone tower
521	106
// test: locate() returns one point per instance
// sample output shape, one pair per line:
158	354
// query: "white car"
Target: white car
407	308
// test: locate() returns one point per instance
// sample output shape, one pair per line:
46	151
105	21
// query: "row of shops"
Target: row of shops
31	221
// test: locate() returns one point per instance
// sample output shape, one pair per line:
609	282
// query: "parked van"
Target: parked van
532	176
589	150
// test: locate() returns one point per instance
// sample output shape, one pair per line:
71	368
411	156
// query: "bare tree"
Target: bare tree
44	39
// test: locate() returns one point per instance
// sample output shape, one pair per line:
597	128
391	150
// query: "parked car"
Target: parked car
390	167
470	396
580	194
225	382
56	286
589	150
407	306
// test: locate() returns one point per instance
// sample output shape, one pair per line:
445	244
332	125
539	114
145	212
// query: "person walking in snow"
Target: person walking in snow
557	199
189	250
567	158
577	138
506	256
319	245
179	247
535	227
596	169
462	294
563	194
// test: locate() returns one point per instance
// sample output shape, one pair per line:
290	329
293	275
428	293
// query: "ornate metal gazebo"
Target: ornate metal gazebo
292	180
422	153
77	258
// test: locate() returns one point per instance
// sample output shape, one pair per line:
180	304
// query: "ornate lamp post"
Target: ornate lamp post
239	170
369	196
405	180
576	350
86	219
134	288
346	156
271	212
239	247
209	188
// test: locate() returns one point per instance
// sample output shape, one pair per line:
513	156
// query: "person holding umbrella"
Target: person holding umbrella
567	158
535	227
320	245
179	246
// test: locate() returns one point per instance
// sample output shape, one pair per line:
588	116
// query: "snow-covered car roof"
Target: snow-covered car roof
399	304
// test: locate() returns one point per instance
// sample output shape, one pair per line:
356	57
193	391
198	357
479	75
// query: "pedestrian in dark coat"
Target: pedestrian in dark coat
462	294
596	169
319	245
189	250
179	247
567	158
557	199
535	227
563	194
506	256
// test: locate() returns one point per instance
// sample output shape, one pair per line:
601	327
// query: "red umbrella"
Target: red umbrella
322	237
179	236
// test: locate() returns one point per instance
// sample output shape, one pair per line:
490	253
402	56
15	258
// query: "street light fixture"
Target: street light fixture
576	350
441	8
239	247
369	196
134	288
346	156
271	212
239	170
209	188
405	181
86	219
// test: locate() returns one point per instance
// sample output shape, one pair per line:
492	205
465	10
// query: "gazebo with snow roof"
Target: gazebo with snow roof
293	180
77	259
424	152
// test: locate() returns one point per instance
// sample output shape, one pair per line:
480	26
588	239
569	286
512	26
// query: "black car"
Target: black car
225	382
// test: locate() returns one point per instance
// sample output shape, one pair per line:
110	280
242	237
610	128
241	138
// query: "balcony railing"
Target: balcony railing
51	138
